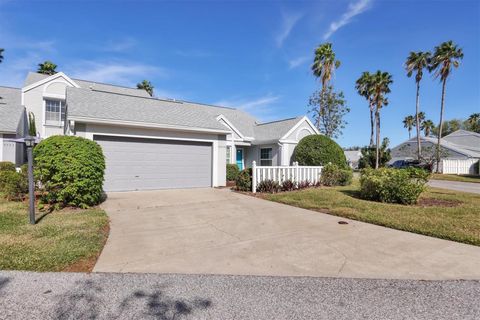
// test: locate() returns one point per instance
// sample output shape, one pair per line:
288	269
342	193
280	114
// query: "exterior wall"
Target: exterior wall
33	100
302	131
8	148
288	149
219	141
408	150
252	153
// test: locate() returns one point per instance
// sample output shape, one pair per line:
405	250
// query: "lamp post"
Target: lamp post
29	143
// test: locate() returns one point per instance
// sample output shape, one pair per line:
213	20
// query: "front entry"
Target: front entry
240	159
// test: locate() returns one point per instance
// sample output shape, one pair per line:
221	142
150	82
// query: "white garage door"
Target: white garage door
149	164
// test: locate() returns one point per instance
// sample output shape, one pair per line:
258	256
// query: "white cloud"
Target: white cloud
118	72
289	21
260	107
121	45
293	63
354	9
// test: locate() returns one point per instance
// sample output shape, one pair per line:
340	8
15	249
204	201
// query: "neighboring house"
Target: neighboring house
458	145
148	143
353	157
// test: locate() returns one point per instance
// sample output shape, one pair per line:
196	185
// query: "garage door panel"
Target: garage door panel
148	164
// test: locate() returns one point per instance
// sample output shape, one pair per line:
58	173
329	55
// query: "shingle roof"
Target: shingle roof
448	145
274	130
467	139
10	109
105	105
33	77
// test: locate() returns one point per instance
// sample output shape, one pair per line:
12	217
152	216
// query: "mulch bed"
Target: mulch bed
433	202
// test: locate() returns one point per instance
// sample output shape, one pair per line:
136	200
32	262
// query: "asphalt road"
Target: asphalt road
456	185
25	295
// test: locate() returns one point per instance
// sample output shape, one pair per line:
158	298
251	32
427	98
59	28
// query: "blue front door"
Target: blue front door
240	159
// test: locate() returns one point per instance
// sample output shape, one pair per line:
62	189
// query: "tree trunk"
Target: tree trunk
377	147
440	127
409	134
372	125
419	147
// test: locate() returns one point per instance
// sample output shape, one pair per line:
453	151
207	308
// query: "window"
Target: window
266	156
54	112
229	157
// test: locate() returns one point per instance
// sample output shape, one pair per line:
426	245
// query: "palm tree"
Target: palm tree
474	122
421	117
147	86
409	123
364	88
445	56
416	62
47	67
427	126
1	54
381	82
324	63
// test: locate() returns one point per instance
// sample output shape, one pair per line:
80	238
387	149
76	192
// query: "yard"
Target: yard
439	213
454	177
66	240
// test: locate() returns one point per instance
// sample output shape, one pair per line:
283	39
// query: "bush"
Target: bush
232	172
13	185
7	166
390	185
332	175
318	150
269	186
288	185
70	170
244	180
369	156
303	185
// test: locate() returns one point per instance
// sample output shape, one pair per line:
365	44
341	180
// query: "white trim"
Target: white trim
288	141
305	118
222	117
48	79
90	135
215	163
1	147
145	125
53	96
309	130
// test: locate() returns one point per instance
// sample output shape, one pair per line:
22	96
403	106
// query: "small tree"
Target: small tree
147	86
473	122
427	126
1	55
409	123
328	109
32	128
47	67
368	158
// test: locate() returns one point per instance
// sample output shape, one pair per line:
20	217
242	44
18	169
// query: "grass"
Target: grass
61	240
454	177
458	222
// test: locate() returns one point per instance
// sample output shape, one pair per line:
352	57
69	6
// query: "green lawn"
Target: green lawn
454	177
459	222
62	240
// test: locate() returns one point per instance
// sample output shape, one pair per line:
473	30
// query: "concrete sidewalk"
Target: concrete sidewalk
456	185
211	231
27	295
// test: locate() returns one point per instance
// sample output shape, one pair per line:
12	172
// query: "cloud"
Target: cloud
293	63
119	72
289	21
260	107
354	9
121	45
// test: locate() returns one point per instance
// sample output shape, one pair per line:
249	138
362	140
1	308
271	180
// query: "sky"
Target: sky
253	55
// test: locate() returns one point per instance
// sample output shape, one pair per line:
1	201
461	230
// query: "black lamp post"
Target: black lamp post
30	143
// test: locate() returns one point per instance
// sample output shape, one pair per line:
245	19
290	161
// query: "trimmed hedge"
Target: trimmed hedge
7	166
332	175
70	170
402	186
244	180
13	185
319	150
232	171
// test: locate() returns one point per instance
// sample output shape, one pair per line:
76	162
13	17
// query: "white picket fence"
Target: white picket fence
295	173
460	166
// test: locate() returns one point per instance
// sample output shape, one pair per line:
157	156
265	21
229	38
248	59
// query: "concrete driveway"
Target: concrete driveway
456	185
212	231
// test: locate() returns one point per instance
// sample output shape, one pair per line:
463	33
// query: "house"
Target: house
459	145
149	143
353	157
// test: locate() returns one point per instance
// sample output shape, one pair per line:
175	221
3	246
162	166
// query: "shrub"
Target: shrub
332	175
70	170
288	185
13	185
232	172
244	180
318	150
269	186
303	184
390	185
369	155
7	166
